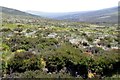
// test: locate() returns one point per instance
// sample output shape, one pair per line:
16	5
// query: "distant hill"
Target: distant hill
104	15
51	14
16	16
11	11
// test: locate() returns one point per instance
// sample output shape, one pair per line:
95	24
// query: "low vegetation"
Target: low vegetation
58	49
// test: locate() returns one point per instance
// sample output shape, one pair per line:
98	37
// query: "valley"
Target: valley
37	47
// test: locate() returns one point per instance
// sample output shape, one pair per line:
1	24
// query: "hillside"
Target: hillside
11	11
104	15
16	16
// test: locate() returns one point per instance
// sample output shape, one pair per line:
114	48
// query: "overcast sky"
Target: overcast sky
58	5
